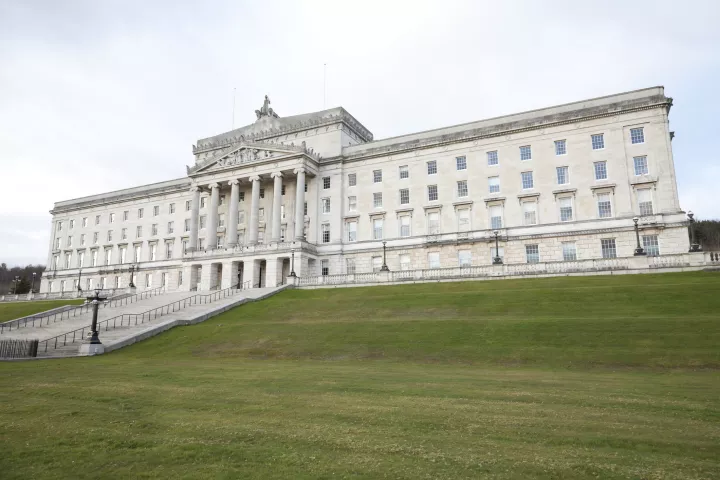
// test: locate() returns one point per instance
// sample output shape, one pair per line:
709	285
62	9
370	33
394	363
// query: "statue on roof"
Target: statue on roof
265	110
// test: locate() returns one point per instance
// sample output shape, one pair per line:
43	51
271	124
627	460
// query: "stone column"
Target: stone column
212	217
194	218
229	274
300	205
277	200
254	207
232	224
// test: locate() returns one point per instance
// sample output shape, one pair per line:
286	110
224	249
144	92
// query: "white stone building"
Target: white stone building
559	184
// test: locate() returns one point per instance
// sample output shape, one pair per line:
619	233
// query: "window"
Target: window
187	205
325	233
154	229
560	147
350	266
352	203
352	231
494	184
604	205
461	163
377	200
203	201
97	219
377	228
82	239
171	208
59	226
138	252
434	260
112	219
148	280
566	209
377	176
126	215
241	217
433	219
69	241
261	213
222	199
404	172
262	193
110	236
404	261
404	196
306	185
527	180
641	166
492	158
68	260
153	252
156	210
186	225
432	167
325	267
352	179
241	237
140	213
462	188
608	248
282	189
325	205
525	153
95	238
84	222
432	193
185	244
563	176
72	224
650	245
600	170
529	213
463	220
201	244
94	259
123	234
123	252
81	259
326	183
645	204
376	264
598	142
242	197
569	251
170	227
108	256
57	243
305	208
532	253
637	135
203	221
138	231
56	262
405	226
282	212
496	222
464	258
180	277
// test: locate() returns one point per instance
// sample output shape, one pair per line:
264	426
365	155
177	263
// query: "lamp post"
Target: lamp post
132	271
292	263
384	267
79	277
497	260
17	280
638	250
694	246
32	287
92	344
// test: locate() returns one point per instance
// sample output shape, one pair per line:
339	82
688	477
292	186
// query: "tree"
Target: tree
23	286
707	234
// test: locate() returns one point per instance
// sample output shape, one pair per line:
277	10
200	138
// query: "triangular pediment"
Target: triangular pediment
247	153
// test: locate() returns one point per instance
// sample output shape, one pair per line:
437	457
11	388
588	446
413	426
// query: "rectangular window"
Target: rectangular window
464	258
404	261
376	264
203	220
352	203
377	176
170	227
326	233
242	197
325	205
305	208
241	217
221	220
325	267
434	260
527	180
97	219
94	259
604	205
57	243
326	183
148	280
645	204
529	213
532	253
433	219
462	188
222	199
261	213
203	201
282	234
641	166
153	252
81	259
84	222
185	244
377	228
282	212
494	184
171	208
405	226
154	229
95	238
156	210
608	248
492	158
525	153
123	234
168	250
463	220
186	225
563	176
432	193
112	218
108	256
69	240
404	196
600	170
566	209
432	167
404	172
598	141
282	190
262	193
352	231
377	200
461	163
138	252
352	179
201	243
496	222
350	266
650	245
72	224
569	251
188	205
140	213
82	239
560	147
126	215
637	135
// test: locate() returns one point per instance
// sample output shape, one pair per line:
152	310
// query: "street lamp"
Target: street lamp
92	344
32	288
497	260
132	270
384	267
17	280
638	250
292	263
694	246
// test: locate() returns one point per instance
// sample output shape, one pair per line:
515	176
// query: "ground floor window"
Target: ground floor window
650	245
608	248
434	260
464	258
569	251
350	266
532	253
325	267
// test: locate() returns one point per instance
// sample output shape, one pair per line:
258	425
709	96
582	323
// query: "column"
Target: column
254	207
232	224
194	218
212	217
300	205
229	274
277	200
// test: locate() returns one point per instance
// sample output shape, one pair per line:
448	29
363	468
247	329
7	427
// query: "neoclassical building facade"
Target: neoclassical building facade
316	194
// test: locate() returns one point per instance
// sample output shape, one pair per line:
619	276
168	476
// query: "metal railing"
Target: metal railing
128	319
46	318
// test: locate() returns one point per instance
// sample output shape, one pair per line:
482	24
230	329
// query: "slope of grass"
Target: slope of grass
13	310
582	377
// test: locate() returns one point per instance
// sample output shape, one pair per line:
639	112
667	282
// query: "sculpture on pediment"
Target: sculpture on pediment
265	110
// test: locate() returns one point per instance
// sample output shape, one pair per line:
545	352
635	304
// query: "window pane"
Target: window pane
432	193
598	142
560	148
527	180
404	196
569	251
608	248
562	175
461	163
532	253
492	158
604	205
650	245
377	176
462	189
637	135
404	172
641	166
432	167
494	184
600	170
525	153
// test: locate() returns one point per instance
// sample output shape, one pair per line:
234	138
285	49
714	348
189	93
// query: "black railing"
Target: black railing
46	319
128	319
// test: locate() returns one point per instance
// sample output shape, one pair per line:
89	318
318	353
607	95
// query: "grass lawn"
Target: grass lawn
13	310
574	377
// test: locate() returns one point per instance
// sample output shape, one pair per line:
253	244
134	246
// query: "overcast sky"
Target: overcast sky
101	95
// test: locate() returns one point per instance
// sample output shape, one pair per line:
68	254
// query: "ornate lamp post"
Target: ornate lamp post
132	274
92	344
17	280
292	263
497	260
384	267
694	246
638	250
32	287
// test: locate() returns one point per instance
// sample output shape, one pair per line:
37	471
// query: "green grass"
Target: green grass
13	310
576	377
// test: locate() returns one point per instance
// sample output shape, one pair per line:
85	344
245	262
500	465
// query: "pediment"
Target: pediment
245	154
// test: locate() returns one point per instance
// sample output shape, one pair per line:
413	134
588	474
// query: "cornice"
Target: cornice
111	199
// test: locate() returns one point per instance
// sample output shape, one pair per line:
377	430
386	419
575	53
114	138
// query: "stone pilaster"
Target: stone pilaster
254	208
232	223
300	204
277	201
194	217
212	217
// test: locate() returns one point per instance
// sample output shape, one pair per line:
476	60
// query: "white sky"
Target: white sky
100	95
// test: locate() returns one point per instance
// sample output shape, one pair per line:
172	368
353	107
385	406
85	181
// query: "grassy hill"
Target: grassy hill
575	377
13	310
